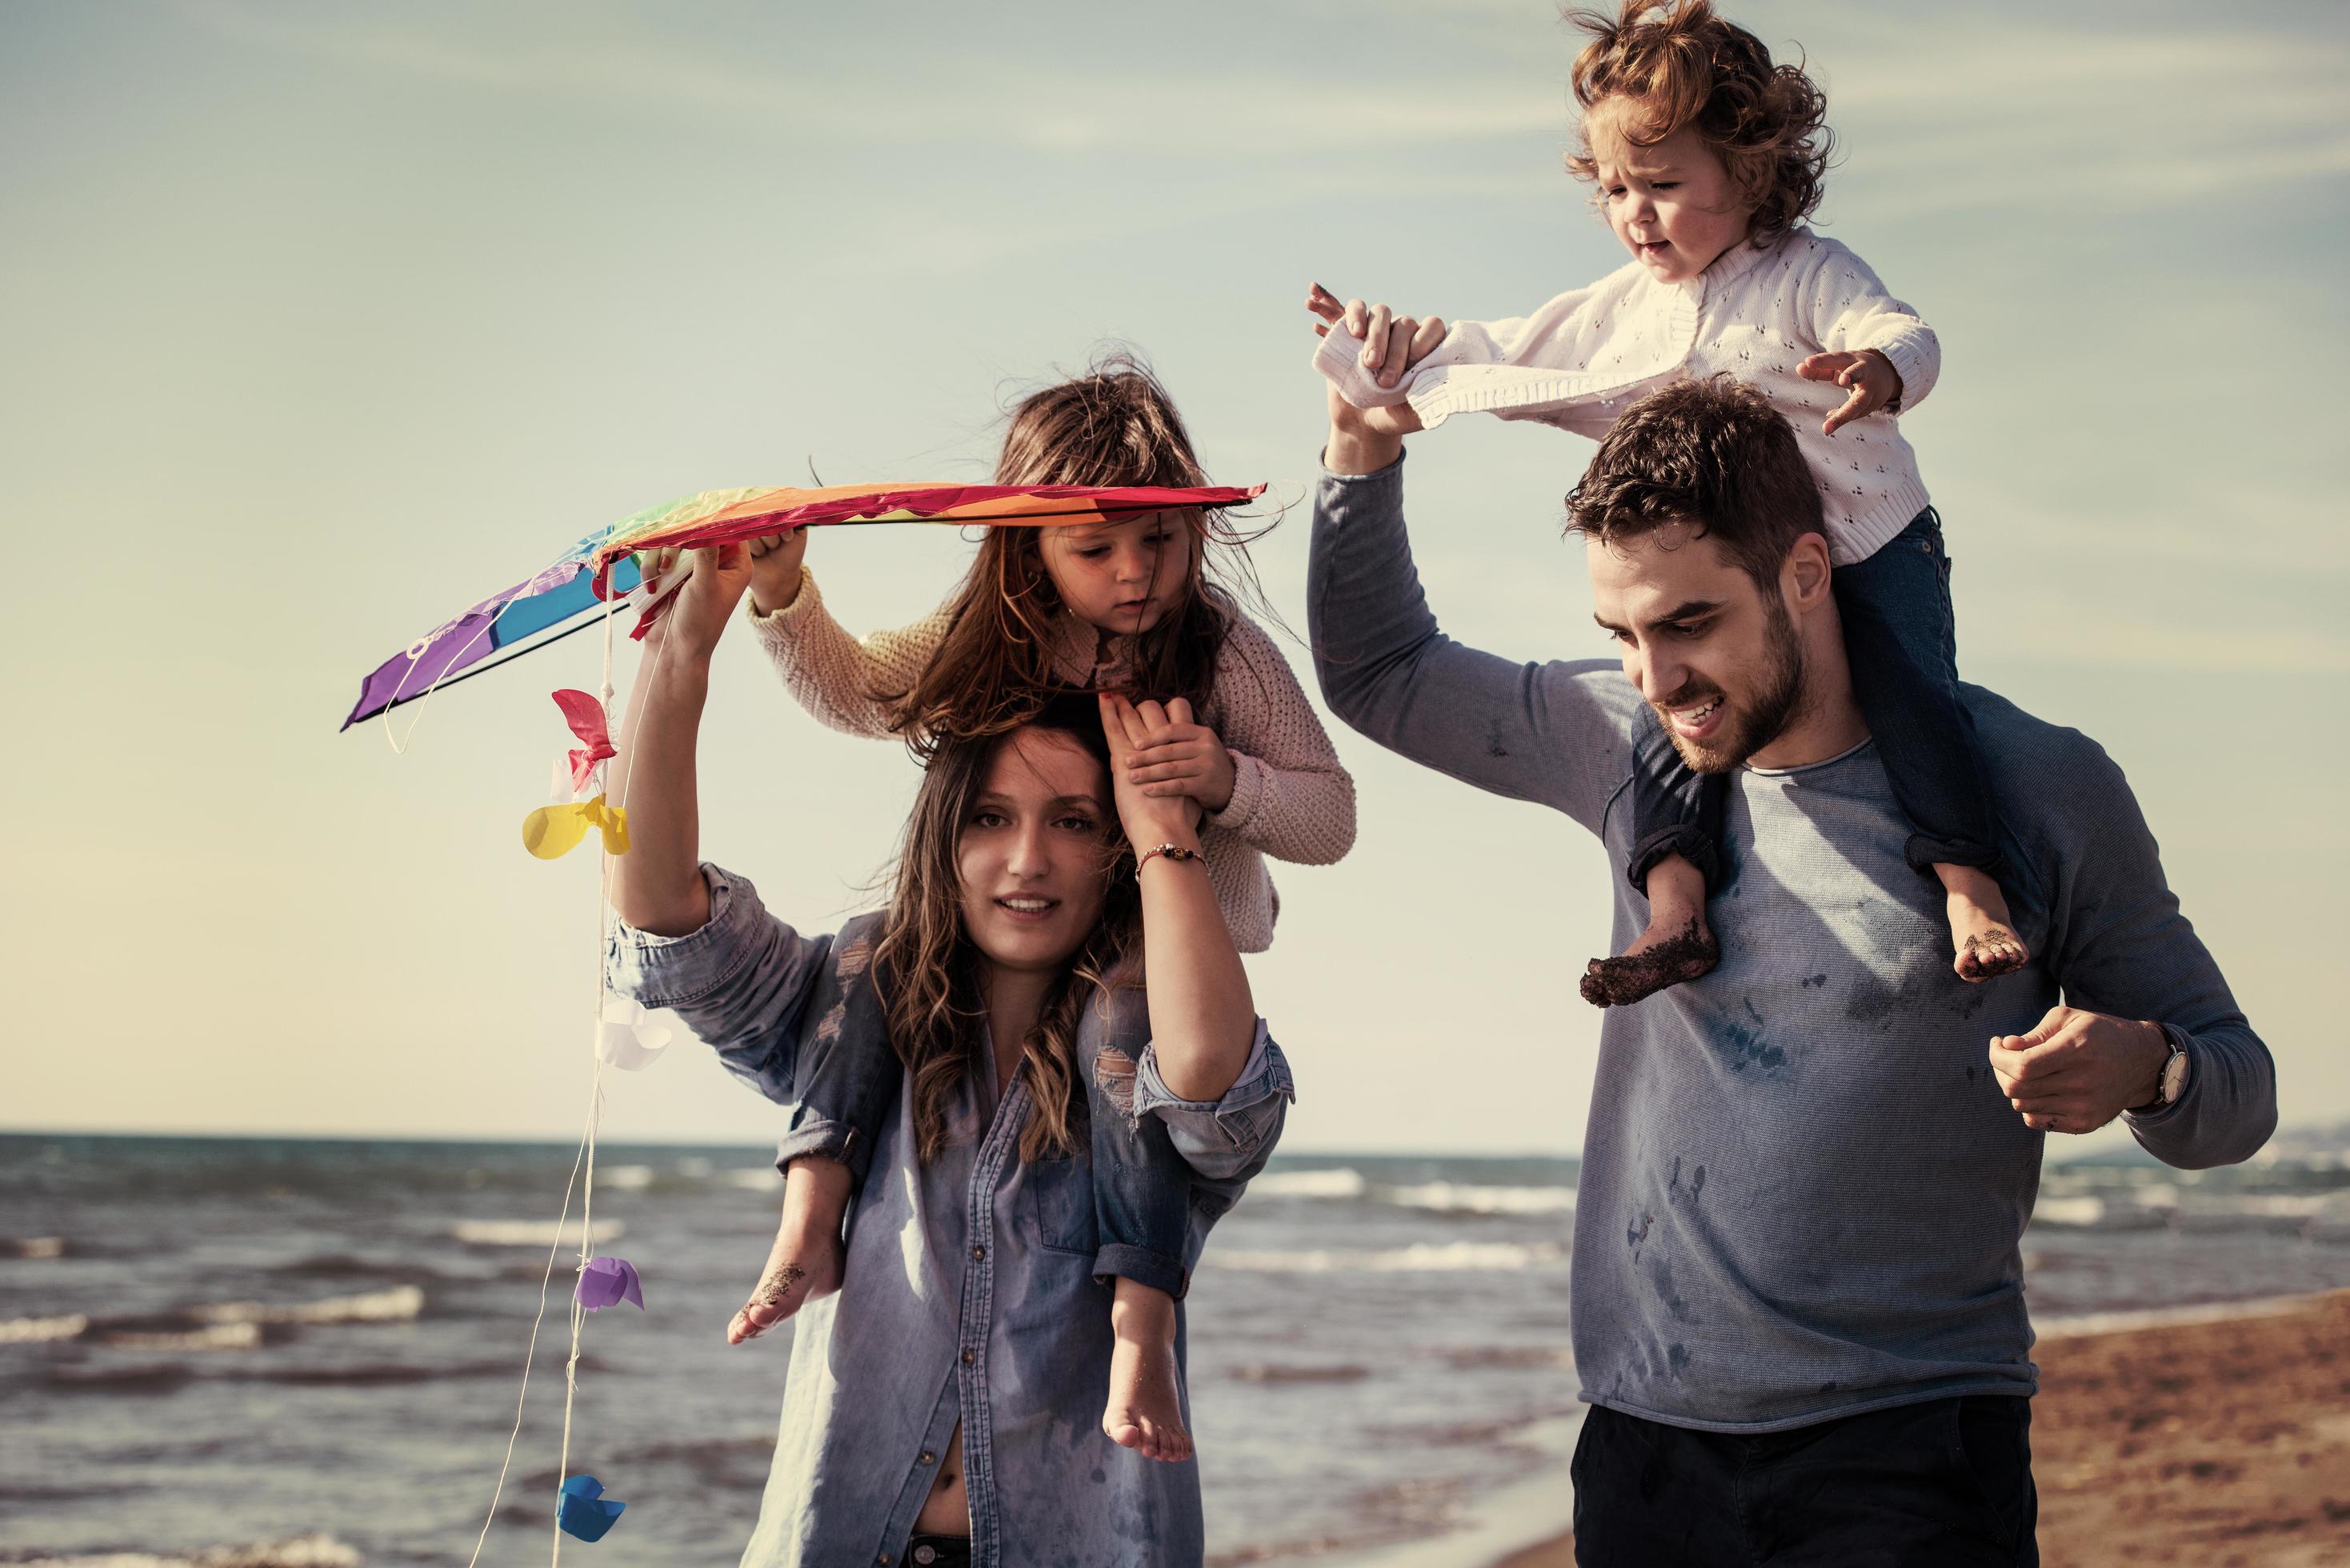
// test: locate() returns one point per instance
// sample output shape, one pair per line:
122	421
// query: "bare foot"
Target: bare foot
1144	1412
805	1261
1676	946
1983	933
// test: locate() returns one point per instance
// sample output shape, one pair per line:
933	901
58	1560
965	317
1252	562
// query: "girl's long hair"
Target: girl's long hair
1115	425
932	979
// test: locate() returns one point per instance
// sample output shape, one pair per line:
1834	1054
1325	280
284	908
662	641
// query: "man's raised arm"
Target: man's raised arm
1557	733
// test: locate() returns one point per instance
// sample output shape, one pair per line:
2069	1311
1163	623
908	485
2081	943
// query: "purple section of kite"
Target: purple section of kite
608	1282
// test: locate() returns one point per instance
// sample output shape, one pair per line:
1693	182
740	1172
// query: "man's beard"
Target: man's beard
1778	702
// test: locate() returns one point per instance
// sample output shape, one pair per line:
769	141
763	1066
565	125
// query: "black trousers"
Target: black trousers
1944	1484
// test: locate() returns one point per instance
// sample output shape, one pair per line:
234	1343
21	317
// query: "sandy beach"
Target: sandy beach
2223	1442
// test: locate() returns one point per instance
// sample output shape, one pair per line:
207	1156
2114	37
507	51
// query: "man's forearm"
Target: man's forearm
657	887
1353	449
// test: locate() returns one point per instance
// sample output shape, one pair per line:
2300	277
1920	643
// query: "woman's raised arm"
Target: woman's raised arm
657	885
1202	1016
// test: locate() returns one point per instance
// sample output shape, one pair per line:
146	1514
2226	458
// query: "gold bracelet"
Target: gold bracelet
1173	852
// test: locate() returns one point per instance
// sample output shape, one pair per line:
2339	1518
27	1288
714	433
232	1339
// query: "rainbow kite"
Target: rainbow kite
601	567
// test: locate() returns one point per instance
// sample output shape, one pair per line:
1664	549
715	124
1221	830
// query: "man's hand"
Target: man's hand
1148	818
2077	1071
1185	758
775	569
1392	344
1870	376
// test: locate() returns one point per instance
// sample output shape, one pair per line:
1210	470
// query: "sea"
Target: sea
275	1352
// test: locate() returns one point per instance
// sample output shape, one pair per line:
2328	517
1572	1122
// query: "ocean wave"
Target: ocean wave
627	1178
1341	1183
1463	1198
1276	1371
40	1330
347	1266
534	1232
218	1337
318	1551
167	1378
32	1246
1422	1258
758	1179
397	1304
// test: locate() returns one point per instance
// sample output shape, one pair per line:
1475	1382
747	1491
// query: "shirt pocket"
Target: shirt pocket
1061	1199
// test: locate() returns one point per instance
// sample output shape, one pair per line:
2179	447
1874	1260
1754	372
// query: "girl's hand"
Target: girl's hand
1185	758
1392	344
706	603
1875	383
1148	818
775	569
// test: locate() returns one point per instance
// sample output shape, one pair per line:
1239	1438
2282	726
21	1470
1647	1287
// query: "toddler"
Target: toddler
1124	605
1706	158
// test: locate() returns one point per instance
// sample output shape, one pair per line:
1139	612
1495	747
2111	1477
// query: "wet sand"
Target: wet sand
2221	1443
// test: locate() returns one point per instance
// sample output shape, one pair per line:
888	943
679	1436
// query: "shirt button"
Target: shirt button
883	1560
979	1252
968	1358
928	1458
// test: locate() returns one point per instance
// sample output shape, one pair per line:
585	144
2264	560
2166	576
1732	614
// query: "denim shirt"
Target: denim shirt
968	1295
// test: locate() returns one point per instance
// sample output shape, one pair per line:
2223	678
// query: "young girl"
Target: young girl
942	1409
1706	159
1125	604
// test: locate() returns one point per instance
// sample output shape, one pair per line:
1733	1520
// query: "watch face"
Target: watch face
2173	1077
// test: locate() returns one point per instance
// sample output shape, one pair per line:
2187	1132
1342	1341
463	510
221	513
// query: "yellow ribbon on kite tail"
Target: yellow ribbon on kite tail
554	831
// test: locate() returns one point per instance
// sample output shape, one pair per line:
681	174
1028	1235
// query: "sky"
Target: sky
322	321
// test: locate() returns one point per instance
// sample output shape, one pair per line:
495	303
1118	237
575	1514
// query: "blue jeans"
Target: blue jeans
1900	639
849	1078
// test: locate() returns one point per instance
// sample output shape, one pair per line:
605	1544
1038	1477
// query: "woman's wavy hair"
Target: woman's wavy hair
1115	425
1688	67
930	978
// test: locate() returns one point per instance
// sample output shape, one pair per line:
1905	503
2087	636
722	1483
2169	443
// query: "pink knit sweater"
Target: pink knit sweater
1292	799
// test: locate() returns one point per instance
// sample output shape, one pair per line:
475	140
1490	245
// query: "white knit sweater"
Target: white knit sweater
1580	360
1292	799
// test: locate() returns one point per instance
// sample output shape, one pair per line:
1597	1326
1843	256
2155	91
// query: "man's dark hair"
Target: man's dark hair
1713	454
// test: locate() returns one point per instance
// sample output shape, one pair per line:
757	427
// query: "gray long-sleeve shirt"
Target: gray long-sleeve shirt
1803	1193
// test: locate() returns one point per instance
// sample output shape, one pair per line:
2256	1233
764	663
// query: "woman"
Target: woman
944	1405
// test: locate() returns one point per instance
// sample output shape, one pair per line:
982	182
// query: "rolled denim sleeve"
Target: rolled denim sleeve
740	983
1226	1139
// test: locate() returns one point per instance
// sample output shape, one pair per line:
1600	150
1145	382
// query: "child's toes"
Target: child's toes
1991	952
1123	1430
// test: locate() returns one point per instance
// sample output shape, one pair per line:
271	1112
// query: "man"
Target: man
1798	1287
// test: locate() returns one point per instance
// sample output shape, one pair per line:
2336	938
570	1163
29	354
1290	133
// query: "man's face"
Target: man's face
1717	657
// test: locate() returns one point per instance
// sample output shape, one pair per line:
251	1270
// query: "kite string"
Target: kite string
595	1104
530	1352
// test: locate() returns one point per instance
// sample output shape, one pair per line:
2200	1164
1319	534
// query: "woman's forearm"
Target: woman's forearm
657	885
1202	1016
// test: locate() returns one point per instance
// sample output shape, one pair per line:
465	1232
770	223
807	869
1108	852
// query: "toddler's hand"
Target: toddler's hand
775	569
1392	344
1870	376
1184	758
1148	817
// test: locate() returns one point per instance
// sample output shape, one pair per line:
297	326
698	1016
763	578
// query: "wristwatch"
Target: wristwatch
2172	1082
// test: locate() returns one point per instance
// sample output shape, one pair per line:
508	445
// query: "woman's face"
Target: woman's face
1031	853
1123	576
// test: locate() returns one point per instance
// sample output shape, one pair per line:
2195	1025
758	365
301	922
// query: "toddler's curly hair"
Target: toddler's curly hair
1685	65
